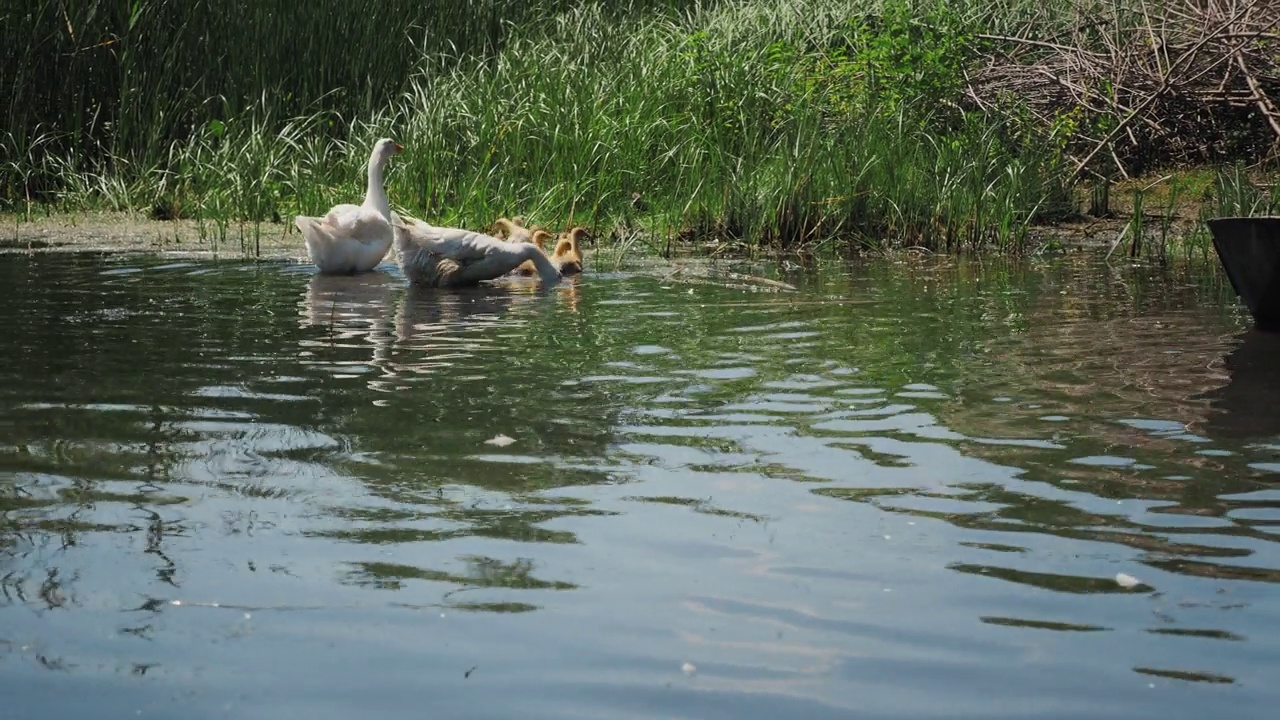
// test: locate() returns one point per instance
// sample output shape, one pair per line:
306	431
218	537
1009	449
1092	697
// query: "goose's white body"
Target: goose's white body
354	238
444	257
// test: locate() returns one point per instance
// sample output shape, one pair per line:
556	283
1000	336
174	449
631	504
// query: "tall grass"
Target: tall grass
745	120
793	122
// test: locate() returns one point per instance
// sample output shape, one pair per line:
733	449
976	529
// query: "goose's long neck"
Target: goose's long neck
546	271
375	194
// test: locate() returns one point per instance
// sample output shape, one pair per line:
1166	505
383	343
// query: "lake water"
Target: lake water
906	490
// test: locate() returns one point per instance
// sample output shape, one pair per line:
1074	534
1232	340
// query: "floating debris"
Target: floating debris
1127	581
688	669
500	440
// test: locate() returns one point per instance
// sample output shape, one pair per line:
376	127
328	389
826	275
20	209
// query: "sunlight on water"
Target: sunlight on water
904	490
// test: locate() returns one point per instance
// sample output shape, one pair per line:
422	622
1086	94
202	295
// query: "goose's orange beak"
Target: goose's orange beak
399	148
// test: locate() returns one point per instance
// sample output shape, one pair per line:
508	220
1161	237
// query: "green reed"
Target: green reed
720	141
783	123
124	79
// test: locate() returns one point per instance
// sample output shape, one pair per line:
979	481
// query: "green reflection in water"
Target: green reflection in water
1037	426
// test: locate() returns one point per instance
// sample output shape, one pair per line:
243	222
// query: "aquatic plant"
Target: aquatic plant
800	123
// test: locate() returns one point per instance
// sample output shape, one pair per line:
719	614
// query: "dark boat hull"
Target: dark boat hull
1249	250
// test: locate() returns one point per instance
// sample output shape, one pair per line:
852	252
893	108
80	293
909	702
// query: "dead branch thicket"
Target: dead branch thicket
1153	83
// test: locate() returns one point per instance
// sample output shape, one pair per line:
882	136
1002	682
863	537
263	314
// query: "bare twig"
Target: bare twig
1169	79
1264	103
1185	58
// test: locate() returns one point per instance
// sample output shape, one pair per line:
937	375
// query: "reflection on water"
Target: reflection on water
902	490
1247	405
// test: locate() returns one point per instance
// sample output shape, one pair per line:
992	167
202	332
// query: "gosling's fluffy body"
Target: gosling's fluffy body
512	230
567	256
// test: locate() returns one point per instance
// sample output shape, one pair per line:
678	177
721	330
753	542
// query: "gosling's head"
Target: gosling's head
540	238
568	248
503	225
575	238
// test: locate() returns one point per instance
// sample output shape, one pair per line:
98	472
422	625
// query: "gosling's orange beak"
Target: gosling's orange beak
399	148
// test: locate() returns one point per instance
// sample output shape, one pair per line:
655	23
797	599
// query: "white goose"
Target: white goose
354	238
442	257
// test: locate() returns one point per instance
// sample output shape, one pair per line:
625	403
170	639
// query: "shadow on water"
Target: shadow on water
904	490
1248	405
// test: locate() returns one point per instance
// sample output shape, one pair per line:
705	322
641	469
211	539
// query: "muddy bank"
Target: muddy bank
124	232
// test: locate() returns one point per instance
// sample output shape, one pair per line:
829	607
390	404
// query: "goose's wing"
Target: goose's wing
458	244
364	228
357	222
466	246
337	213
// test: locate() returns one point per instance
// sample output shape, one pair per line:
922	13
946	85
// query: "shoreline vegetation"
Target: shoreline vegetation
792	125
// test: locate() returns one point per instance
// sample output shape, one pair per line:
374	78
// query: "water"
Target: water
904	491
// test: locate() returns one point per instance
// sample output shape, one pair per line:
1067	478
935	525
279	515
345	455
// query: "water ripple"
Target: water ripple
899	492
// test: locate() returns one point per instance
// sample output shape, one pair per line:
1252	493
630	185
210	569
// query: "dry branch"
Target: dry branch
1159	82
